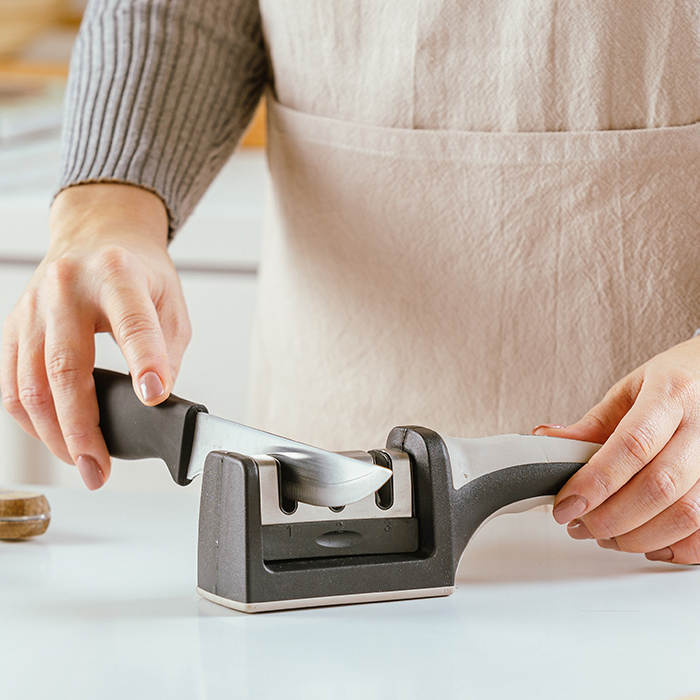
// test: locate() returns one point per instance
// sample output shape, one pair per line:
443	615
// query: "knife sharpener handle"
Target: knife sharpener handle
134	431
472	458
510	474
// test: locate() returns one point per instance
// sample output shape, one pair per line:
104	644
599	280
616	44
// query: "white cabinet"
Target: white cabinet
217	253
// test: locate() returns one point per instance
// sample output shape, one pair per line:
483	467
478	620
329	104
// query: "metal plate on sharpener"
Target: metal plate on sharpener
381	523
339	538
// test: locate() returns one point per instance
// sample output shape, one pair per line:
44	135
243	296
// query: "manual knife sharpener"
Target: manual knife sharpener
258	553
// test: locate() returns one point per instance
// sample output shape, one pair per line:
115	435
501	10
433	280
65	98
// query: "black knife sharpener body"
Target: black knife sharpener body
232	566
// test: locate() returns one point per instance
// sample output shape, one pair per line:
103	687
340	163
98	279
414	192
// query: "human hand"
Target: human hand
641	491
107	270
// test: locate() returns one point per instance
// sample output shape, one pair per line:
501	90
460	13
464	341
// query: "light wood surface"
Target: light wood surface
255	135
23	514
21	20
36	69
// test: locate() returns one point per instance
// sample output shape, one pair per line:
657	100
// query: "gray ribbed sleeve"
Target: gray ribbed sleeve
159	94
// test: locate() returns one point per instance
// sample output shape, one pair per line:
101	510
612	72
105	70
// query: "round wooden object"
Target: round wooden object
23	514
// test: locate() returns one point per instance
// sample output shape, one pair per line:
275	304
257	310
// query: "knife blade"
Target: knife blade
311	475
182	434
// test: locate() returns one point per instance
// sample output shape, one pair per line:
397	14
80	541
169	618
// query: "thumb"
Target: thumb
600	422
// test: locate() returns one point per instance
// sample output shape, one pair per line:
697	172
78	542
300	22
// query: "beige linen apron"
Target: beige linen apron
484	275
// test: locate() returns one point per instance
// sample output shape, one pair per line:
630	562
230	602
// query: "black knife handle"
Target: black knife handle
134	431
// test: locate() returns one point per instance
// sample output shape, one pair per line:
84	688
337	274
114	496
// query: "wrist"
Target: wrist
107	212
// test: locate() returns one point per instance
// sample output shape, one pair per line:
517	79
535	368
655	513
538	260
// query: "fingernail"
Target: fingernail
578	530
546	426
570	508
90	471
665	554
609	544
151	386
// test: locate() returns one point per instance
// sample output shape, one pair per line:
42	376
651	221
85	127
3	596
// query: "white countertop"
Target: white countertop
103	606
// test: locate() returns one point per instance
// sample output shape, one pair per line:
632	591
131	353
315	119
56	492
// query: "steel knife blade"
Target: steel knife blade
312	475
182	434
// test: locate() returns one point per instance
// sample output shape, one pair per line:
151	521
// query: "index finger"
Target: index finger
136	327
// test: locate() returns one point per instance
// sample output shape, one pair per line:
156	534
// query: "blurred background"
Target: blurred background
216	251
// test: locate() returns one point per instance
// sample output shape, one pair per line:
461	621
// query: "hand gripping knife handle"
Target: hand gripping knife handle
457	485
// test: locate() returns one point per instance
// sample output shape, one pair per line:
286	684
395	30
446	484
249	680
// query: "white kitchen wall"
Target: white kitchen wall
217	254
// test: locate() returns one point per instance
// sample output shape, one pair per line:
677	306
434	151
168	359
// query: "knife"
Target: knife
182	434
